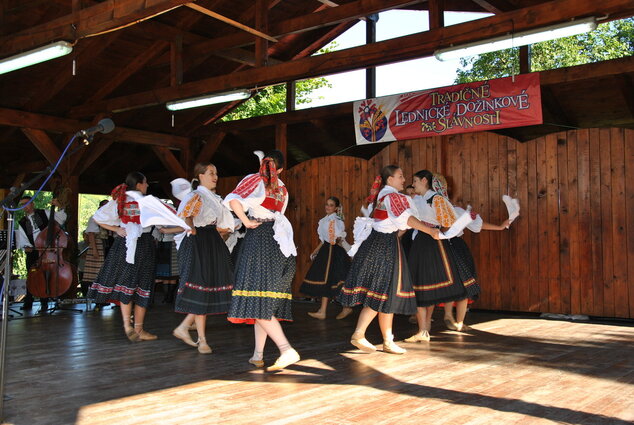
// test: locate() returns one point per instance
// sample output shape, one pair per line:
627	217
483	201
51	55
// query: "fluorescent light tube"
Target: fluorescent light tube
508	41
32	57
209	99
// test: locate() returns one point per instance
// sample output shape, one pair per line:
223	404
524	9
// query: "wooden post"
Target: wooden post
176	60
186	161
436	14
281	139
261	24
72	222
370	73
525	59
290	96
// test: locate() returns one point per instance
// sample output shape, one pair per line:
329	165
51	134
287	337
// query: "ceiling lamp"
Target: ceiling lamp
209	99
508	41
41	54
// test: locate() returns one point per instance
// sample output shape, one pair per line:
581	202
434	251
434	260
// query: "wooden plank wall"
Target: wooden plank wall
572	249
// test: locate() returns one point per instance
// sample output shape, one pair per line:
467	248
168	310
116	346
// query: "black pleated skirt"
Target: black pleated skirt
327	273
120	281
379	277
207	285
437	273
263	277
467	267
406	241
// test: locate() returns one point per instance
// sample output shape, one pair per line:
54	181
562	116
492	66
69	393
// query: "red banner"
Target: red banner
484	105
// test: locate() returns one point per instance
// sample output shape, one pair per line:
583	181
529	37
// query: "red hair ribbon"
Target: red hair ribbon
374	190
268	172
118	194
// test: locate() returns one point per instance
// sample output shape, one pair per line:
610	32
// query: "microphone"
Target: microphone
104	126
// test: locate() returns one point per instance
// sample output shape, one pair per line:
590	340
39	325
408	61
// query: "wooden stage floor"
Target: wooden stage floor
79	369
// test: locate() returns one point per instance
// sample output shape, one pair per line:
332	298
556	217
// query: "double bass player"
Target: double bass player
34	221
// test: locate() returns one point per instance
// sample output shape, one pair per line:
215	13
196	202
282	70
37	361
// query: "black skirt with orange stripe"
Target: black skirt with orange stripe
438	274
379	277
327	273
467	267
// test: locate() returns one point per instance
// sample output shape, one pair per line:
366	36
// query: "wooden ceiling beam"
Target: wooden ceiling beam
91	154
210	147
15	118
230	21
326	38
170	162
262	24
43	143
153	51
311	21
495	6
301	115
128	70
63	75
25	167
243	56
397	49
110	15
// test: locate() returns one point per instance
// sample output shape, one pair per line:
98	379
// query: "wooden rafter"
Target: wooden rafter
169	161
176	62
311	21
398	49
230	21
308	50
495	6
43	143
100	18
63	75
15	118
262	24
140	61
210	148
91	154
436	14
25	167
128	70
243	56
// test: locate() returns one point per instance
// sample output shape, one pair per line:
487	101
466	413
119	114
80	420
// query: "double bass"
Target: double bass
52	275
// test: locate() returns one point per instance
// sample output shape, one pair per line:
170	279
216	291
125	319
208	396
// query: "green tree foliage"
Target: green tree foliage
272	99
609	41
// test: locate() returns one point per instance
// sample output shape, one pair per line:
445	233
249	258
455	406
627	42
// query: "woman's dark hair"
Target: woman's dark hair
199	168
134	178
277	156
386	172
335	200
425	174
